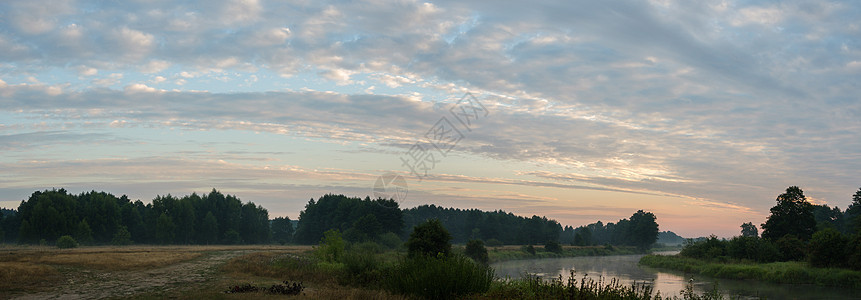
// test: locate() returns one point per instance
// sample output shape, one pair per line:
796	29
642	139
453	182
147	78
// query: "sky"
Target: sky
701	112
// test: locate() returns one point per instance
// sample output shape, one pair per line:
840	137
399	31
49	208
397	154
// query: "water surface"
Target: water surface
625	268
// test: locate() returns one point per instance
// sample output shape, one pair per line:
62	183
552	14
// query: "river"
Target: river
625	268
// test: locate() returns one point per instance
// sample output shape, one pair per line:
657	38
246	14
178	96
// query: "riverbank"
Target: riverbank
506	253
777	272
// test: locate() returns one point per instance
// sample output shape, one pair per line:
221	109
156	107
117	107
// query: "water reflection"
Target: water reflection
625	269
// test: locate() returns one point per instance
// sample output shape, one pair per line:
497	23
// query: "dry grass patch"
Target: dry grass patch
280	266
22	276
115	261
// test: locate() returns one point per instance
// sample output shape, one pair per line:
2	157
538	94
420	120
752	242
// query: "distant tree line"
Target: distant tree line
796	230
357	219
641	230
215	218
467	224
102	218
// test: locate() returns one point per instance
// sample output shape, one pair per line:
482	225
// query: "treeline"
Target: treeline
641	230
467	224
215	218
102	218
367	219
796	230
357	219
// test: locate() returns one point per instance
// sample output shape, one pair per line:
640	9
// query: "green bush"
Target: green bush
122	237
361	267
791	248
66	241
429	238
391	240
827	248
475	249
553	246
529	249
853	252
366	247
710	248
441	277
331	246
493	243
752	248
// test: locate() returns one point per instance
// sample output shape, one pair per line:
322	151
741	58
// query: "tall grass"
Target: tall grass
533	287
22	276
439	277
778	272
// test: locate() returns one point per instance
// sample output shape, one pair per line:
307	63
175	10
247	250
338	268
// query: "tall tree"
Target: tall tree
208	233
429	238
749	230
165	230
792	215
282	230
853	214
643	230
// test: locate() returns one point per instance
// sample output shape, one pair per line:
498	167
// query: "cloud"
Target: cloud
723	102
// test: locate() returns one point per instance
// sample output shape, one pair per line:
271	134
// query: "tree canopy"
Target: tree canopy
792	215
102	218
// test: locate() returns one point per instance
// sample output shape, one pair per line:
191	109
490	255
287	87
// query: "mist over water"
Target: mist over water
669	283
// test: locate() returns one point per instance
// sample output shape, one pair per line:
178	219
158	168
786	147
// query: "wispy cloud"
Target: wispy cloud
722	103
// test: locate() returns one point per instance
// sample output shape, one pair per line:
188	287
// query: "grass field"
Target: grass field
108	270
194	272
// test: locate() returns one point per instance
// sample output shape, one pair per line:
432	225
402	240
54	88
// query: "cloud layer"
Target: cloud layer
719	105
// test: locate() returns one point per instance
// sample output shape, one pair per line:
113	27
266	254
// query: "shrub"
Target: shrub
441	277
493	243
853	251
827	248
429	238
529	249
791	247
553	246
122	237
331	246
752	248
66	241
391	240
710	248
361	267
475	249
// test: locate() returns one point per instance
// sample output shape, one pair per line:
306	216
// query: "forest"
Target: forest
796	230
102	218
215	218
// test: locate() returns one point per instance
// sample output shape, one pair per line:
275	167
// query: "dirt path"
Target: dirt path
93	284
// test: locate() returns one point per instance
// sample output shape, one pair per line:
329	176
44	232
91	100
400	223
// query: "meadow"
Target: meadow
363	271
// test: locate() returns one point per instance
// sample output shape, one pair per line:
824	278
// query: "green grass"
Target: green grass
439	277
777	272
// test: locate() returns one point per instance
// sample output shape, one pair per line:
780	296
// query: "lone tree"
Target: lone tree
429	238
475	249
643	230
792	215
749	230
